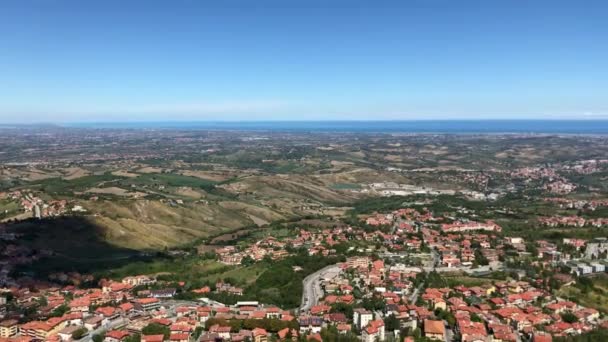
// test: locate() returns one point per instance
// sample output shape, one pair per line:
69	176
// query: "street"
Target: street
312	291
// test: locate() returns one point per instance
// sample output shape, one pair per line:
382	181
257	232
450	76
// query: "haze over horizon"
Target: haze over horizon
115	61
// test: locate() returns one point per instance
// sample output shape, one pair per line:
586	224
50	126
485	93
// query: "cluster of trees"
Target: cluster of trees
331	333
281	285
584	284
480	259
569	317
434	280
79	333
60	310
344	308
447	316
156	329
374	303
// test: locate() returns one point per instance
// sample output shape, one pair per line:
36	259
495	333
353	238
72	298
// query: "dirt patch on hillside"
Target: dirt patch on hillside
149	169
115	191
74	172
121	173
208	175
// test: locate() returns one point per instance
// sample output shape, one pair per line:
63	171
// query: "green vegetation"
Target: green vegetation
176	268
330	333
271	325
281	285
169	179
60	310
60	186
79	333
379	204
156	329
569	317
8	208
99	337
592	336
590	292
345	186
133	338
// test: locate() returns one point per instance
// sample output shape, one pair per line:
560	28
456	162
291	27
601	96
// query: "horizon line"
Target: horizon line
60	123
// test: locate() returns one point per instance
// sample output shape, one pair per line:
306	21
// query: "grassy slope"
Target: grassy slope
596	298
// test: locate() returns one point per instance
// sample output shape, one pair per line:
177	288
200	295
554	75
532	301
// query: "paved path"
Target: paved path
414	297
312	291
106	327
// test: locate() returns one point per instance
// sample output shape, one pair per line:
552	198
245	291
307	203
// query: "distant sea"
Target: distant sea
430	126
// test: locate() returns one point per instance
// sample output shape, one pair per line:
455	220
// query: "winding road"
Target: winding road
312	290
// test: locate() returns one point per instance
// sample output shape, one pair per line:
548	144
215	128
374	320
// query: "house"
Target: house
242	336
93	322
310	324
126	308
210	337
138	280
286	334
259	335
163	293
80	304
222	331
273	312
542	337
108	314
343	328
374	331
434	330
9	328
42	330
66	333
152	338
181	337
116	335
362	317
146	304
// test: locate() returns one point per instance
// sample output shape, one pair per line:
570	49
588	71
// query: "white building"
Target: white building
582	269
597	267
362	317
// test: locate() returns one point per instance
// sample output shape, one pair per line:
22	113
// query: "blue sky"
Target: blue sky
66	61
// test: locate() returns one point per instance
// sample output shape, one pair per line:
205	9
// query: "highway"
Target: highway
312	290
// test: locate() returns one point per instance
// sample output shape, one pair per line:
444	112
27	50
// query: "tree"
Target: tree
99	337
42	301
79	333
247	261
391	323
133	338
475	318
60	310
197	332
446	315
569	317
156	329
344	308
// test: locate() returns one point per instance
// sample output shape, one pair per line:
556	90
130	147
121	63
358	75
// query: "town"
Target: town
409	274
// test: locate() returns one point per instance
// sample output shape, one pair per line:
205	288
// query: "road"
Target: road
106	327
414	297
312	290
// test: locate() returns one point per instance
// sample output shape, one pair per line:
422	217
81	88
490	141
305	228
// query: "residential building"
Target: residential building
9	328
362	317
434	330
